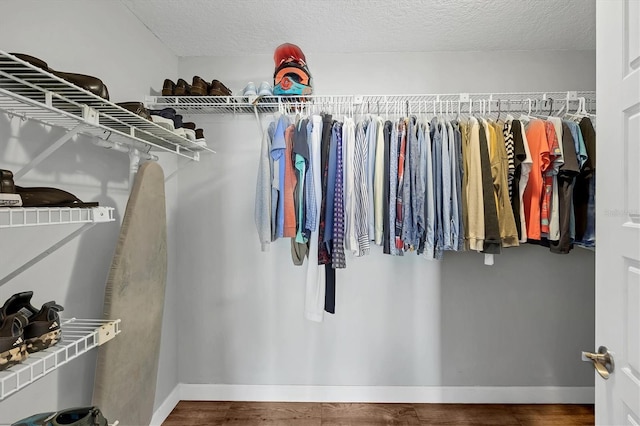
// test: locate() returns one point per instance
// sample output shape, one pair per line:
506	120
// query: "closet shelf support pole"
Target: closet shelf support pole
45	253
48	151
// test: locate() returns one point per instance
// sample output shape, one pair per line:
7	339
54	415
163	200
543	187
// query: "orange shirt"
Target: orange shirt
533	193
290	181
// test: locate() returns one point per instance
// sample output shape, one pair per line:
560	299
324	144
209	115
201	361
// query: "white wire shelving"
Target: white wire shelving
78	337
378	104
17	217
22	217
29	92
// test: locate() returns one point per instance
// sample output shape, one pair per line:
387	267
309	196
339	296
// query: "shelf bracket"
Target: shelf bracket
45	253
48	151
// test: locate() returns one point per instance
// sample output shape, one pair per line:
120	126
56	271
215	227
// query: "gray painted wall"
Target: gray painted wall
399	321
99	38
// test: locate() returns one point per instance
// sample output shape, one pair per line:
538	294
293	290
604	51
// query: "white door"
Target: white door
618	208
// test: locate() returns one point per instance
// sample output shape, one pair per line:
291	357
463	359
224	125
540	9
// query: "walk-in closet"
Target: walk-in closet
165	251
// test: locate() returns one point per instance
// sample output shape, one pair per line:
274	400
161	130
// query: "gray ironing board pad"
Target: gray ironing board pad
127	366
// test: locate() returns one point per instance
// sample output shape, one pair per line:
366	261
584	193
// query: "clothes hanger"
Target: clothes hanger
578	114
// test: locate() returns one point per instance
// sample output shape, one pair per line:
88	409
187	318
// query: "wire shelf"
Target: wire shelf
32	93
364	104
18	217
78	337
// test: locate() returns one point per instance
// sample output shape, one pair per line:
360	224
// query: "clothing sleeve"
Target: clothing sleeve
262	212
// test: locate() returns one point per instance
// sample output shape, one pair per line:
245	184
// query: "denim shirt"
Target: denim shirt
408	187
419	210
393	185
436	144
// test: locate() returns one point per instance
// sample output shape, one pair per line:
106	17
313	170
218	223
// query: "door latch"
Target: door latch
602	361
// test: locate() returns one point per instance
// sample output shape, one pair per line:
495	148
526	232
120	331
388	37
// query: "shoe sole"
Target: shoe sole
13	356
45	341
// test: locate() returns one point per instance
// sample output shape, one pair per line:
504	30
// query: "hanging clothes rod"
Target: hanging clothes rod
440	103
388	104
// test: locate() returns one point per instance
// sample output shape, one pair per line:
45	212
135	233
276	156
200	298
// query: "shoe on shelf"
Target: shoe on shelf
179	126
42	196
36	62
8	195
137	108
177	121
199	87
182	88
168	87
265	89
200	140
81	416
164	117
190	130
13	348
43	326
219	89
86	82
249	89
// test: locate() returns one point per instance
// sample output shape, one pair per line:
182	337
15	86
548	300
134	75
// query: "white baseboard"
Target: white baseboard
407	394
416	394
166	407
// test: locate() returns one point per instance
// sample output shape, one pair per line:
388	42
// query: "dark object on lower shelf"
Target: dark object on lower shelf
50	197
81	416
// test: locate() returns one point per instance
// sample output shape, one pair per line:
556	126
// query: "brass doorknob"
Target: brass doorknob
602	361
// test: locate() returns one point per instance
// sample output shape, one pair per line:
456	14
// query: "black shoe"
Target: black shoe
8	195
43	328
13	348
82	416
7	185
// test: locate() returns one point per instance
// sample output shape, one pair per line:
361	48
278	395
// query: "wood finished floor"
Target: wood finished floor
200	413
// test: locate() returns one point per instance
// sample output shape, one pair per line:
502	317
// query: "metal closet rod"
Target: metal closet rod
439	103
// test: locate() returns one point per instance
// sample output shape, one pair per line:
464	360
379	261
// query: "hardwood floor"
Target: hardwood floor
200	413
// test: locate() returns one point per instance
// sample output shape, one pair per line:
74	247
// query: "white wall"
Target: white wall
100	38
399	321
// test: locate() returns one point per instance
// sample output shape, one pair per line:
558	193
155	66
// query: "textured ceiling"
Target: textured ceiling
246	27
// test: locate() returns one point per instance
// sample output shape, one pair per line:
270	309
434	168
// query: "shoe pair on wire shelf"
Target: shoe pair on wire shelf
81	416
24	329
264	89
170	120
198	87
